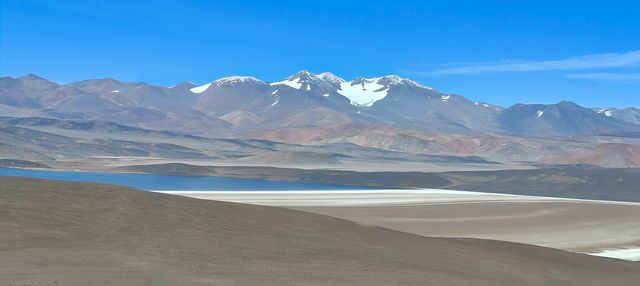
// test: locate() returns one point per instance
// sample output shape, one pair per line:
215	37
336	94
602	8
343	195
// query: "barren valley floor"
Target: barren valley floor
575	225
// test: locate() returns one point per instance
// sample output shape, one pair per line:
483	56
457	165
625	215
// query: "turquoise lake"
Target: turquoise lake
152	182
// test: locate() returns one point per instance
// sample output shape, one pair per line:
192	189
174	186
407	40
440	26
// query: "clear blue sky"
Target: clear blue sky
499	52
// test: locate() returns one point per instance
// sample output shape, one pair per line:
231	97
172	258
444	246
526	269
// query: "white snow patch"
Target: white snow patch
326	95
632	254
276	102
308	87
292	83
606	113
418	84
201	89
275	91
365	93
115	91
445	98
540	113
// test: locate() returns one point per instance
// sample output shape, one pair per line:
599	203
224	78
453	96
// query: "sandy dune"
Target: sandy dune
56	233
576	225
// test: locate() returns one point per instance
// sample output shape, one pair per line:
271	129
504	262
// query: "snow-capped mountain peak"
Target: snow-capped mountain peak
302	73
226	81
303	76
237	79
361	92
299	80
305	80
331	78
396	80
392	79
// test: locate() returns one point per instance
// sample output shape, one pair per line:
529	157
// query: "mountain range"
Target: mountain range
236	104
387	113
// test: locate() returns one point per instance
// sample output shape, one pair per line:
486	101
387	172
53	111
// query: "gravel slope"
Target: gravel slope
58	233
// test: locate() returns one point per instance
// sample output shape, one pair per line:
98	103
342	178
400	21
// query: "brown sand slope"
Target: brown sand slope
576	226
89	234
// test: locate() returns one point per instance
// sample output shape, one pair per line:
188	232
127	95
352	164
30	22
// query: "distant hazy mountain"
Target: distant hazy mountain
630	115
564	118
239	106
